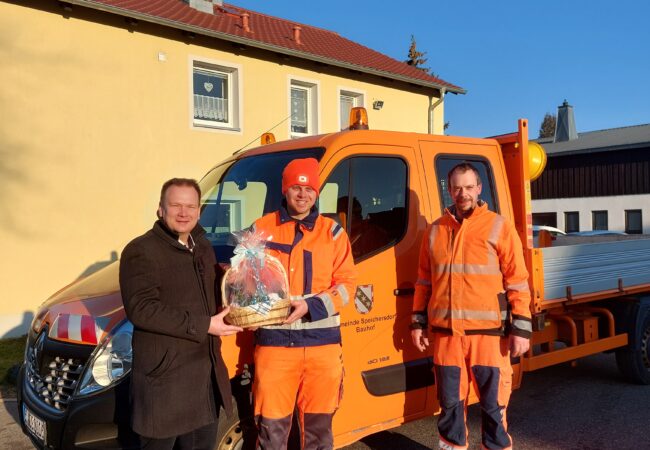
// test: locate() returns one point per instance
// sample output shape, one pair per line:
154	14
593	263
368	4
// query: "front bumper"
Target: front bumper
99	421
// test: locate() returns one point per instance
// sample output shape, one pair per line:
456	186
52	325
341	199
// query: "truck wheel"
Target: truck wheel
241	434
235	433
634	360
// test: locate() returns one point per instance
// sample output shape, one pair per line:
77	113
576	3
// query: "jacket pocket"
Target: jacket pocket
163	365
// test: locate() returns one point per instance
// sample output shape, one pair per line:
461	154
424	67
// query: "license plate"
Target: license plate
34	424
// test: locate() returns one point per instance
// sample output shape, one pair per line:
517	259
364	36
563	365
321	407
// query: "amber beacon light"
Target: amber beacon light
358	118
536	160
267	138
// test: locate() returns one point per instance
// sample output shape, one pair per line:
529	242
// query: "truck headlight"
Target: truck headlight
110	362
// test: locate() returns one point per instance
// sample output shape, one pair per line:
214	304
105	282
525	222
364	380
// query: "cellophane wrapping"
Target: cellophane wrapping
255	279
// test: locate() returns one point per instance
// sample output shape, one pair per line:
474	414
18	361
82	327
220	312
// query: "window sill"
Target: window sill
203	126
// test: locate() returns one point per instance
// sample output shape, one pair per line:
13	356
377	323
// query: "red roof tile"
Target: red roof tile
271	33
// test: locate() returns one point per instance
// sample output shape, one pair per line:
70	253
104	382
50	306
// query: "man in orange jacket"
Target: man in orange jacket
300	363
472	294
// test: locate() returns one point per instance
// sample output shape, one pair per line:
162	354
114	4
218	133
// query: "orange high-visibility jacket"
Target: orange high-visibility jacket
472	278
317	256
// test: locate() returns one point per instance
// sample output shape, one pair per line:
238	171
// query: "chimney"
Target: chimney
565	127
296	34
245	22
205	6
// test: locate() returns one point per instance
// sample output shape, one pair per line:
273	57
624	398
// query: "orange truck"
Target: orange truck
384	187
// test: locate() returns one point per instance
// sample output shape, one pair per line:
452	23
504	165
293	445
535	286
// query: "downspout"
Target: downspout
432	107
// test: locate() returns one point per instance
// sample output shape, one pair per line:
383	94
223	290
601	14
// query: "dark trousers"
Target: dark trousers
203	438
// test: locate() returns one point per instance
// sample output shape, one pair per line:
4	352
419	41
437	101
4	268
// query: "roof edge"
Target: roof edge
611	148
263	46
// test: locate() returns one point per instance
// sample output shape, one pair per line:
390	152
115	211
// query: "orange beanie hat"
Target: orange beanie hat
302	172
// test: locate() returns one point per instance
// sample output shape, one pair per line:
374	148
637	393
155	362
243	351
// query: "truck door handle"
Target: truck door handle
402	292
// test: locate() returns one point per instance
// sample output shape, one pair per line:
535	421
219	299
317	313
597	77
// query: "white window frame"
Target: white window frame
234	73
359	99
313	105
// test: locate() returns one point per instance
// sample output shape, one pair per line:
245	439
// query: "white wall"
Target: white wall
615	205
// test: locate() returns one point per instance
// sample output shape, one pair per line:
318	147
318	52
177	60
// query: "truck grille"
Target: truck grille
52	378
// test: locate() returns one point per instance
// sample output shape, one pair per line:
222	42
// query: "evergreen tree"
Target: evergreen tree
547	129
416	58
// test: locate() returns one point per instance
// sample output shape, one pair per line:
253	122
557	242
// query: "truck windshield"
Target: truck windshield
235	194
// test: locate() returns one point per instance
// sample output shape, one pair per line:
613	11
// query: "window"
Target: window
571	221
347	101
215	95
633	222
303	103
599	220
545	218
445	163
237	193
376	217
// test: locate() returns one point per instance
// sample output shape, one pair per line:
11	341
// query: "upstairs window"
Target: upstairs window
347	101
215	95
303	104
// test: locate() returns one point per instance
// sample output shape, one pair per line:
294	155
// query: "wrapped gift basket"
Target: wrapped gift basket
256	286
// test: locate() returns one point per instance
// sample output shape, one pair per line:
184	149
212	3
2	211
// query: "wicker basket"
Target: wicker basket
246	317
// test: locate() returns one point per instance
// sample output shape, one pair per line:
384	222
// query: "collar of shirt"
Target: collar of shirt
308	222
190	243
481	207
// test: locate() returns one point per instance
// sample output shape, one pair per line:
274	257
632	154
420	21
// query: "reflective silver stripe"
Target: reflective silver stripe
343	292
523	325
443	313
504	315
470	269
493	240
329	304
418	318
432	236
328	322
493	237
519	287
336	233
423	282
301	297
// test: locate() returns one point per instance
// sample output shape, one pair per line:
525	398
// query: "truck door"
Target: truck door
439	157
372	192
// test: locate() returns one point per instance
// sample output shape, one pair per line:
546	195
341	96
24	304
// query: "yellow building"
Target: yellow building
101	101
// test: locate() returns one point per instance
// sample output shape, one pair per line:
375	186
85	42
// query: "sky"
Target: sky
516	59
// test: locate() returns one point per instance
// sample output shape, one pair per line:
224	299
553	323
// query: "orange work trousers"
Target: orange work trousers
483	361
307	378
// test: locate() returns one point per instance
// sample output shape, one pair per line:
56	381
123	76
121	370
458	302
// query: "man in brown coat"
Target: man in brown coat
167	278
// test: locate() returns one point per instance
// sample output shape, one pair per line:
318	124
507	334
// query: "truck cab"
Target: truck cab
384	188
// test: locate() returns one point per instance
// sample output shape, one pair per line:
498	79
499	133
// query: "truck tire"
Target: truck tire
633	360
240	433
235	433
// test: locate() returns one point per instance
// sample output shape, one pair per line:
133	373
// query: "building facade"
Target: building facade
598	180
104	100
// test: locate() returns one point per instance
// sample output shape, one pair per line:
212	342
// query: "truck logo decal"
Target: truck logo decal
363	298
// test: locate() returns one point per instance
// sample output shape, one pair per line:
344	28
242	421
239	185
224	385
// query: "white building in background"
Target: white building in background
598	180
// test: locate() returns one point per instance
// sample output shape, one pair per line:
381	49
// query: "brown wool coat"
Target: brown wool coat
169	296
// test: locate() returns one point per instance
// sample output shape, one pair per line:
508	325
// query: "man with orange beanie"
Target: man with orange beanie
299	363
472	294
